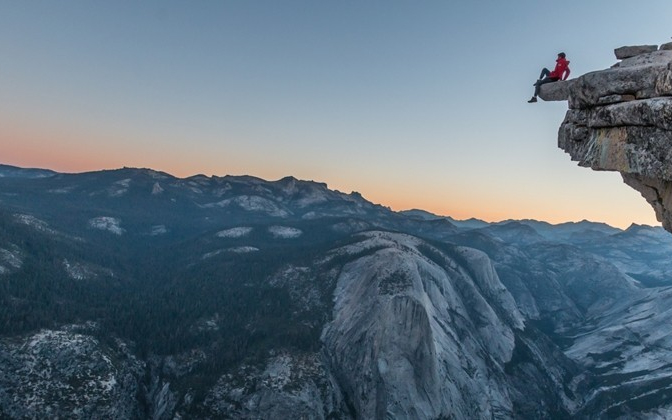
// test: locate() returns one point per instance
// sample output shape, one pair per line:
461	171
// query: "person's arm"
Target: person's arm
566	75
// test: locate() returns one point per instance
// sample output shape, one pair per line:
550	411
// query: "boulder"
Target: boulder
652	58
633	50
556	91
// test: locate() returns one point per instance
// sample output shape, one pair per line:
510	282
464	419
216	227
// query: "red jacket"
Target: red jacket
561	69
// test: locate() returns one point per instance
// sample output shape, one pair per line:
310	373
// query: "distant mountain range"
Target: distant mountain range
16	172
132	293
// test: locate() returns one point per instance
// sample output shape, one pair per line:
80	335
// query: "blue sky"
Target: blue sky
413	104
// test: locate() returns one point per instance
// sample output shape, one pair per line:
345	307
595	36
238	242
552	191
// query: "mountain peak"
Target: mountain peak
634	227
419	214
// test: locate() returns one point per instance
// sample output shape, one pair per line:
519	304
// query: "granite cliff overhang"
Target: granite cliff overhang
620	119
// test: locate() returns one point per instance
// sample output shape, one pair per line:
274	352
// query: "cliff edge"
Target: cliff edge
620	119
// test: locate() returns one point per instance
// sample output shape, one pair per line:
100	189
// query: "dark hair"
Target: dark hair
561	55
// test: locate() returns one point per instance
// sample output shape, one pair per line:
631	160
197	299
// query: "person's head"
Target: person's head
561	55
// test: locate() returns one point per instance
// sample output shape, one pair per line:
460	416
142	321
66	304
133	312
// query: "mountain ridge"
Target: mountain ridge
416	213
216	297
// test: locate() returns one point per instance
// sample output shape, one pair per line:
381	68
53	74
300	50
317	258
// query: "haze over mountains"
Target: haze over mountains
135	294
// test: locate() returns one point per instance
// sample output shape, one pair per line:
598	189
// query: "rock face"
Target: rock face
633	50
620	119
421	338
68	373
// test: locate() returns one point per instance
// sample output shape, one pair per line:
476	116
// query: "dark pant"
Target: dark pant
543	79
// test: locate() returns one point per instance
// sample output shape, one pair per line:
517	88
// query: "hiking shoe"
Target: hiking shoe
533	100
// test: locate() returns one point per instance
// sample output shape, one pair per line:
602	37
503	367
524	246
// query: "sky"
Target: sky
412	104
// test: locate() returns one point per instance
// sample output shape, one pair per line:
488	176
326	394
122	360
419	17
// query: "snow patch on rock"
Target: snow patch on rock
252	203
208	324
110	224
157	189
235	249
242	249
218	192
236	232
119	188
34	222
212	254
76	271
156	175
312	198
158	230
82	271
10	259
285	232
63	190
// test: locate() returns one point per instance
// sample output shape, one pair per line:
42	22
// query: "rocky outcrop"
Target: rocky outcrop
620	119
557	91
68	373
289	386
633	50
425	333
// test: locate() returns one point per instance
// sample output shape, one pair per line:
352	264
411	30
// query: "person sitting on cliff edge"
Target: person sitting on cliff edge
561	71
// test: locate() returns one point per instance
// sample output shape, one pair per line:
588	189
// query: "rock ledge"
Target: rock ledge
620	119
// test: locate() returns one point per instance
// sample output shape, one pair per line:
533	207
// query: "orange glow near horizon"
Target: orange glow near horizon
33	148
484	210
69	162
